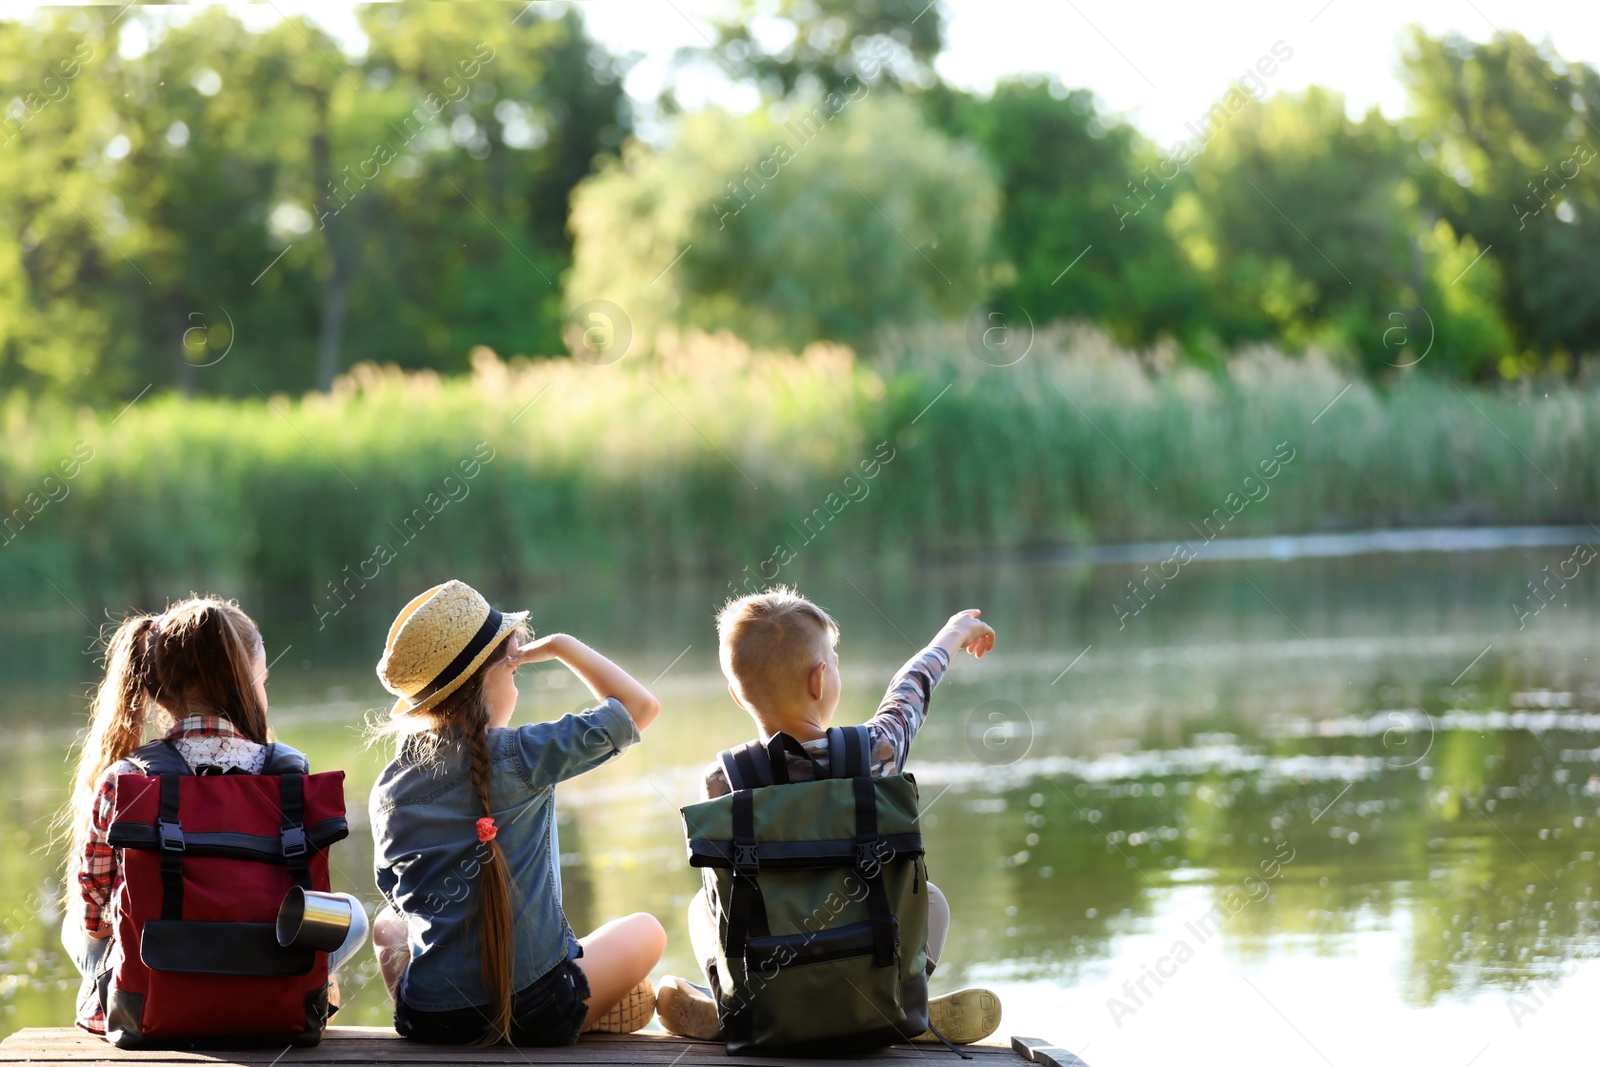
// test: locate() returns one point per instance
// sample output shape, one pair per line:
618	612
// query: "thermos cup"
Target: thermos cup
308	919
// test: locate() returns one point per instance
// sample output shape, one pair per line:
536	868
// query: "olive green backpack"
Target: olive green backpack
820	895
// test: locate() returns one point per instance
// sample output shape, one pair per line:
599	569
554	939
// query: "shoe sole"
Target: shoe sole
632	1014
963	1017
685	1015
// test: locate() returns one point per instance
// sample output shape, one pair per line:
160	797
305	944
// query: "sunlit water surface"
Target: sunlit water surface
1323	811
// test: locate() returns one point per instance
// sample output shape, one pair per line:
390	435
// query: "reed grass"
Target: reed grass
707	456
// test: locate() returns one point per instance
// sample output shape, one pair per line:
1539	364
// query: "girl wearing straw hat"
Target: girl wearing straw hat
474	945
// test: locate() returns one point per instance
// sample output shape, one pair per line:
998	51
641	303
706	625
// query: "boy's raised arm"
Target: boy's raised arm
905	704
604	678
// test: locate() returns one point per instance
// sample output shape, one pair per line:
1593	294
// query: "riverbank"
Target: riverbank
709	458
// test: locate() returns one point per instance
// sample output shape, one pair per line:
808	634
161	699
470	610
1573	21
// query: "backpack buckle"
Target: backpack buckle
171	836
745	859
867	855
294	842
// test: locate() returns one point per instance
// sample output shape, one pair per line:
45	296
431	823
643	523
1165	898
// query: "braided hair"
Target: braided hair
463	717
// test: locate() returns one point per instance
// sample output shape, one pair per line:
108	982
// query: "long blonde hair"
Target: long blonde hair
463	716
197	657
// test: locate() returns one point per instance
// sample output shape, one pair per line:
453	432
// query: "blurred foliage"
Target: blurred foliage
1282	220
1357	269
1065	183
1511	134
227	188
819	45
182	187
732	457
846	215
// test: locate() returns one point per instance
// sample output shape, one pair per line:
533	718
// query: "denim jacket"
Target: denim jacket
424	835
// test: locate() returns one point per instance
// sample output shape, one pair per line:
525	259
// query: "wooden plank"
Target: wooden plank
1038	1050
380	1045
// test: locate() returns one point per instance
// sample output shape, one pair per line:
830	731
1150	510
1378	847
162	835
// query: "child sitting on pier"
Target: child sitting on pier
200	669
778	654
474	945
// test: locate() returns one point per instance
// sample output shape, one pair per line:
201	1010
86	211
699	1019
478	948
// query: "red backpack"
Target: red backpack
207	860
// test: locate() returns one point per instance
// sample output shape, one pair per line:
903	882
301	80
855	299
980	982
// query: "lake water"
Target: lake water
1315	811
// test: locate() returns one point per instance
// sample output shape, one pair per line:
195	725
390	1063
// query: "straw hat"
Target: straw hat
437	641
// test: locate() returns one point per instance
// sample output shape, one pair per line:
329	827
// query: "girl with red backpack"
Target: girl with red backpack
199	669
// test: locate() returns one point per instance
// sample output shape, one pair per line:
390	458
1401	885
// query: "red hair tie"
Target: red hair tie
487	830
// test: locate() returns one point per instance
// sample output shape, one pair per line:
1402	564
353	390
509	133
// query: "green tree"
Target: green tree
224	125
1310	227
1072	237
821	45
266	196
1510	134
476	239
788	232
68	273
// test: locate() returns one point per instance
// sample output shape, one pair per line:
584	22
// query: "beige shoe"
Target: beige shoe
632	1013
687	1010
965	1016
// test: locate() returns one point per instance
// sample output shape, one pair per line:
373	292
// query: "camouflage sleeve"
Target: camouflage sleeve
904	709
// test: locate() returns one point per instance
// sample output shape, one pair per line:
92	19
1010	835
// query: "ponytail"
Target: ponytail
117	721
196	658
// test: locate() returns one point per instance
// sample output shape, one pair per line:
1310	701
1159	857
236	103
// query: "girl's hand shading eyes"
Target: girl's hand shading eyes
545	648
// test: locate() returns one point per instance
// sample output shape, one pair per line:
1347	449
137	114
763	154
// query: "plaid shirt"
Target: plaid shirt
900	715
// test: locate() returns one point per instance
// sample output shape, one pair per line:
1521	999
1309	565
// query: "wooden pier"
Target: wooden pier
379	1045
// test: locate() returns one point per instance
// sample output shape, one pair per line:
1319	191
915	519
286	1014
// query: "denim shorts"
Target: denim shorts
548	1012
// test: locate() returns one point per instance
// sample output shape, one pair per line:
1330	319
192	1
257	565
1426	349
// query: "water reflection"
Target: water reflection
1282	763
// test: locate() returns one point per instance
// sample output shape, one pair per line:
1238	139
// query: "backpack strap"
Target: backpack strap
283	759
158	758
779	747
869	866
170	833
296	850
290	766
747	909
848	752
162	756
747	766
162	761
